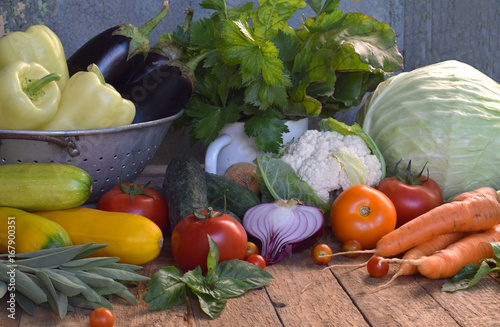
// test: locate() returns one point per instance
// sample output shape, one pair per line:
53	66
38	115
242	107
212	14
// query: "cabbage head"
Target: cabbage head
446	114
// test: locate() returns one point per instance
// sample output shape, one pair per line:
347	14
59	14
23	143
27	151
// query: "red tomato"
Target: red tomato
351	245
189	240
321	254
376	268
258	260
364	214
146	202
411	197
251	249
101	317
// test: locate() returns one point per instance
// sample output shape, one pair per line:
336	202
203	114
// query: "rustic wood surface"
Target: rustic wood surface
340	296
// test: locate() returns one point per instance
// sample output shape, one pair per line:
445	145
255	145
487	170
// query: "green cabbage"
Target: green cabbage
446	114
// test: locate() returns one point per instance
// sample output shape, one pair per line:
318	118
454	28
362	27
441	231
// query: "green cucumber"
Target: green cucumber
185	188
38	186
238	198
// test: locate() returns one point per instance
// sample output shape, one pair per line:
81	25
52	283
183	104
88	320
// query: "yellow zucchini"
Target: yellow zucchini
37	186
133	238
22	232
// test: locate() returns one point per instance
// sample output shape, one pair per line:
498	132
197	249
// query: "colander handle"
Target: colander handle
64	142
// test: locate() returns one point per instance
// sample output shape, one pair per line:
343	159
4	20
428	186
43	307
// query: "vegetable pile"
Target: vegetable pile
105	83
446	115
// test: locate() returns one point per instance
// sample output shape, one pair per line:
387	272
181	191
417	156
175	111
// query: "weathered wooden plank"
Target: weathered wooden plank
473	307
404	303
322	303
456	29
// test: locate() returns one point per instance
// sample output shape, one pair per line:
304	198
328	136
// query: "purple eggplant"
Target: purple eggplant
116	49
160	86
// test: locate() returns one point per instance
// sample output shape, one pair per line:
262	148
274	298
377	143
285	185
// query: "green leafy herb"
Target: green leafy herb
63	277
278	180
251	66
471	274
231	278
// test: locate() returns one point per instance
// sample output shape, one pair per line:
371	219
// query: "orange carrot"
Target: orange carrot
447	262
470	212
423	250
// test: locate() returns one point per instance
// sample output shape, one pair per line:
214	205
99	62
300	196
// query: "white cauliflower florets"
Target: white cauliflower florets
311	156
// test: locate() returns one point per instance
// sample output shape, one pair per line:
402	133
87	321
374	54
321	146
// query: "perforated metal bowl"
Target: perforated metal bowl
106	154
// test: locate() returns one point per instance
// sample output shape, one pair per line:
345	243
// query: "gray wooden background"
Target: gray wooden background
428	31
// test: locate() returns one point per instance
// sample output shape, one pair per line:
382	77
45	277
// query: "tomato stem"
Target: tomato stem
409	178
134	189
364	211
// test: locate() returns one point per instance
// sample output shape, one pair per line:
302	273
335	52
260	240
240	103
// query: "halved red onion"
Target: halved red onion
283	226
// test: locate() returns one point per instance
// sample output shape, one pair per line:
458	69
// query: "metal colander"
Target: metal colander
106	154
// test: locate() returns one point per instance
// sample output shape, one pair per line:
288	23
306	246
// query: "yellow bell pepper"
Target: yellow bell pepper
38	44
88	102
29	96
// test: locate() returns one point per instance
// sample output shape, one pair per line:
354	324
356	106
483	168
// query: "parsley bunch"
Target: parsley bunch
251	66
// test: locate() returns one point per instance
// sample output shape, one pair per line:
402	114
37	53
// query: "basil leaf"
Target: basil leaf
211	306
165	289
213	255
467	277
250	274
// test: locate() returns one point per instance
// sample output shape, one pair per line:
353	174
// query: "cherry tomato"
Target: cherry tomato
411	197
257	260
376	268
101	317
351	245
189	241
364	214
251	249
321	254
146	202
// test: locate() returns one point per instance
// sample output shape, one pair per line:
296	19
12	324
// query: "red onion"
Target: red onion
283	225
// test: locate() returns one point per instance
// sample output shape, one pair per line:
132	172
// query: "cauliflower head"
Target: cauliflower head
311	156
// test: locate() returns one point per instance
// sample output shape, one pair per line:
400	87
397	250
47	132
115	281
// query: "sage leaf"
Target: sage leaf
53	259
3	288
94	280
165	289
88	291
57	300
63	284
88	263
80	301
123	266
26	304
91	248
24	284
115	287
127	295
118	274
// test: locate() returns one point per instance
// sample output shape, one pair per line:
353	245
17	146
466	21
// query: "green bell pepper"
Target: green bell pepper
88	102
38	44
29	96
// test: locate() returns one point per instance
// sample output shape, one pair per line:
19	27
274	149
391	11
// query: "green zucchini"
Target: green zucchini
38	186
238	198
185	188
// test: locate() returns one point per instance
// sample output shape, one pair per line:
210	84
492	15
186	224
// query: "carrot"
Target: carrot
447	262
473	211
423	250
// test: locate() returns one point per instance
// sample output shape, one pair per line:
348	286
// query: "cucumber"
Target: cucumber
185	188
238	198
37	186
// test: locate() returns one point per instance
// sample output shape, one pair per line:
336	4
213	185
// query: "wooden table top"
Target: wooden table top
341	296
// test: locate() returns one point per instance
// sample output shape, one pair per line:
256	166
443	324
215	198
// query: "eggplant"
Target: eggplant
116	49
160	86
